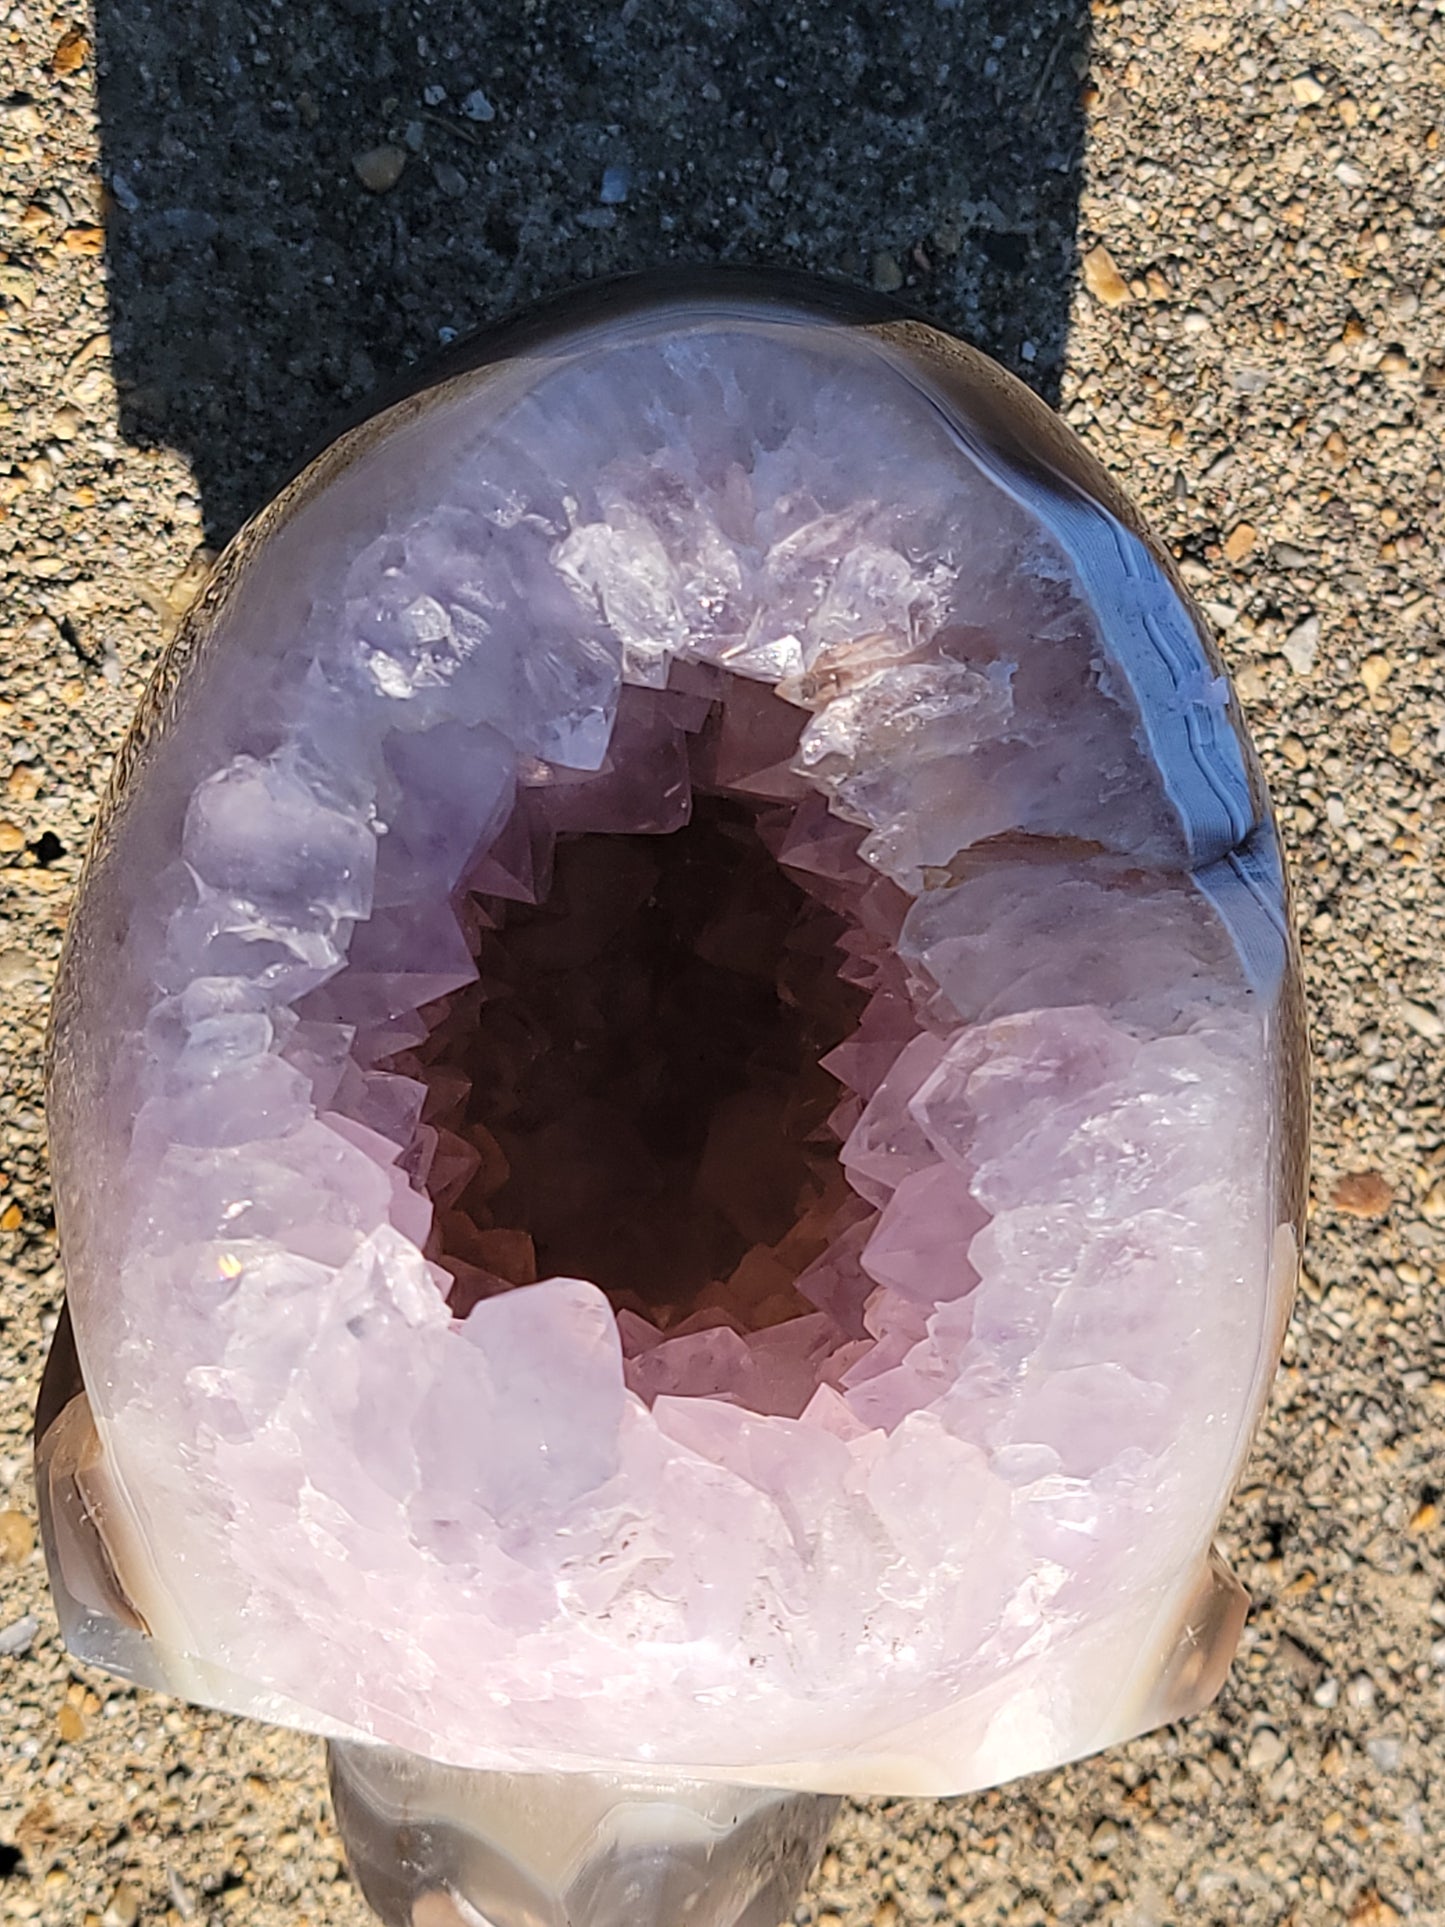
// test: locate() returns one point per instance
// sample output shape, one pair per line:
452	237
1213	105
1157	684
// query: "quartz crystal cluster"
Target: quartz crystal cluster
675	1094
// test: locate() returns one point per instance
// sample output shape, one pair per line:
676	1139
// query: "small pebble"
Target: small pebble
450	180
1103	279
124	1907
1302	646
71	1723
17	1538
16	966
1362	1194
1240	540
1306	91
476	106
1361	1692
887	275
616	181
379	168
1374	673
18	285
1302	1666
71	53
18	1636
181	1897
1245	379
1266	1750
1371	1911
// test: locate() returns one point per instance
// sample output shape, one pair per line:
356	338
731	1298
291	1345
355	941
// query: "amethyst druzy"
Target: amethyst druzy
676	1089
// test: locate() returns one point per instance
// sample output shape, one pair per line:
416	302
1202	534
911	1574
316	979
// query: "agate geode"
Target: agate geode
676	1087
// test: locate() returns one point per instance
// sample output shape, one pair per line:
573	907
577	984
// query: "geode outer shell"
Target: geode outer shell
901	1480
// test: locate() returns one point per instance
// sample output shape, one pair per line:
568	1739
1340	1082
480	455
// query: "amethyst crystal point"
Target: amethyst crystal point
676	1099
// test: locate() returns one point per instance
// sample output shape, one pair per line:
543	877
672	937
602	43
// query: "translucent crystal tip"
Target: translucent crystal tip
432	1846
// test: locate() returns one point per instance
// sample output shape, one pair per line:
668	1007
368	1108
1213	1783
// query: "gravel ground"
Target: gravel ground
220	224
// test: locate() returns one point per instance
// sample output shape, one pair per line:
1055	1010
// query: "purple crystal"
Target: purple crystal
676	1095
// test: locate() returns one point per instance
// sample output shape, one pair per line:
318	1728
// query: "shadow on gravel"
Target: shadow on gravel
258	288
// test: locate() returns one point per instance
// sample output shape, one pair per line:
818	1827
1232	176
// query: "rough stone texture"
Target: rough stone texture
1267	182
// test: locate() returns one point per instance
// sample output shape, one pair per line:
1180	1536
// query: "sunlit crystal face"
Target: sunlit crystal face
673	1089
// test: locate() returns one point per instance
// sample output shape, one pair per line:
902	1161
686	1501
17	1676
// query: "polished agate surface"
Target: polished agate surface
675	1097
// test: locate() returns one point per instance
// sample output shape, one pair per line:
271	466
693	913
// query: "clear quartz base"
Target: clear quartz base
432	1846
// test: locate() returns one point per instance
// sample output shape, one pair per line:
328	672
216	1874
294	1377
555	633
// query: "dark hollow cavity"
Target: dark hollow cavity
646	1091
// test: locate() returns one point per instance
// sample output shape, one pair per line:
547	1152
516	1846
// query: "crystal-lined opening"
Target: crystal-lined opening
679	1045
646	1104
637	1089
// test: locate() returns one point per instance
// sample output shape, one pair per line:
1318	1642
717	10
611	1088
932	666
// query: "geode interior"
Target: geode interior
673	1099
